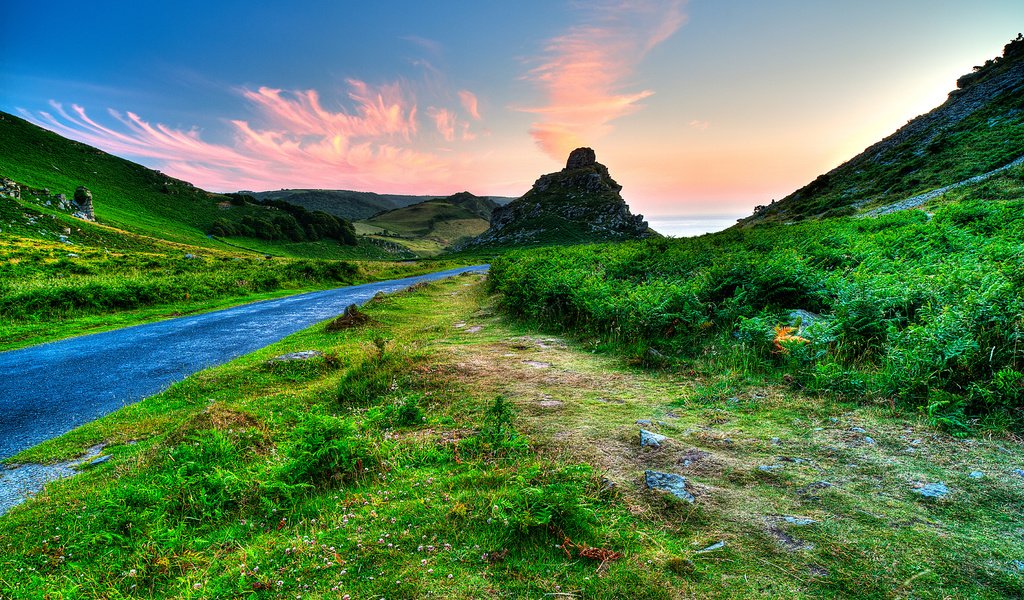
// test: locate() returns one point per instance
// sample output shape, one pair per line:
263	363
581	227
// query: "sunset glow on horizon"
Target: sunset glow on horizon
697	108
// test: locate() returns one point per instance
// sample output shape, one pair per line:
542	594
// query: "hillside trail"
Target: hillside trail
764	462
918	200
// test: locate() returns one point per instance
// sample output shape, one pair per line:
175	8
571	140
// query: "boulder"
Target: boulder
649	438
83	202
581	157
668	482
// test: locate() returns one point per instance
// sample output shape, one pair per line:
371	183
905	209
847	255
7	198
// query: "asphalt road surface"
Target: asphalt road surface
50	389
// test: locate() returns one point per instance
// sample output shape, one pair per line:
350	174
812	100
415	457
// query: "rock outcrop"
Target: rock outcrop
579	204
83	201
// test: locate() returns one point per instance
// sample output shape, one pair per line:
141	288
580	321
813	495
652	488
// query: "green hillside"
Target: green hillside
125	194
352	205
135	199
976	132
433	226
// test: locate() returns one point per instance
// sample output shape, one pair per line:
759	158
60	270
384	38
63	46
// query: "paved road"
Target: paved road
50	389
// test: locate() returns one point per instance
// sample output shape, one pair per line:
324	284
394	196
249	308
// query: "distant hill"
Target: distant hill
434	225
579	204
976	137
348	204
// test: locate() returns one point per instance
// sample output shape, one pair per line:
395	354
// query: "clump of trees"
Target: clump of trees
285	222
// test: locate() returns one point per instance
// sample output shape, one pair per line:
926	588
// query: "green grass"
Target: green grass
388	468
102	278
927	312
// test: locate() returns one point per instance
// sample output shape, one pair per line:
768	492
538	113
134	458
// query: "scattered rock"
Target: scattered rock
610	400
297	356
716	546
818	571
776	441
100	460
769	468
351	318
190	256
1018	563
976	475
550	403
649	438
933	490
869	440
668	482
536	364
475	329
646	422
858	430
1019	472
459	325
798	521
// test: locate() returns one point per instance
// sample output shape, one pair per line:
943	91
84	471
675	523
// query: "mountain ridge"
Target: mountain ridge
977	130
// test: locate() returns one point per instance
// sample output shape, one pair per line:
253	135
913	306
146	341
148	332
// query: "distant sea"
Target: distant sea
690	226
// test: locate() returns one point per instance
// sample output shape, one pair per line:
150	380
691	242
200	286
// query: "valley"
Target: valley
824	400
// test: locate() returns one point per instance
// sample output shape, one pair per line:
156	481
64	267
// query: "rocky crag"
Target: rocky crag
579	204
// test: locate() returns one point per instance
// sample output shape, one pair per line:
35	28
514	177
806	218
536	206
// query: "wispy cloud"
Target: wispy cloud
371	141
698	124
584	72
470	103
445	121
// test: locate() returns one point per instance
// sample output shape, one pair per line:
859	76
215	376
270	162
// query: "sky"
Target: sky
701	109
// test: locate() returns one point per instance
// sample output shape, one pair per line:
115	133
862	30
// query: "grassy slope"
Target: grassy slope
922	311
125	194
427	228
200	497
934	150
131	197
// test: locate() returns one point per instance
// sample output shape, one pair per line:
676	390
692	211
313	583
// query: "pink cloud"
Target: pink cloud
445	122
293	140
584	71
469	102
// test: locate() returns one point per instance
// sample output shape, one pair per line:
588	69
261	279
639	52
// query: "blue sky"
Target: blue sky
698	108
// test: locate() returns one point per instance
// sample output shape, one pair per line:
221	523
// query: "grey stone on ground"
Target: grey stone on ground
294	356
643	422
858	430
668	482
1019	564
536	364
976	475
1019	472
716	546
474	329
769	468
100	460
649	438
933	490
798	521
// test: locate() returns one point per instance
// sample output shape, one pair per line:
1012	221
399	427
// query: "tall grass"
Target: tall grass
924	311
